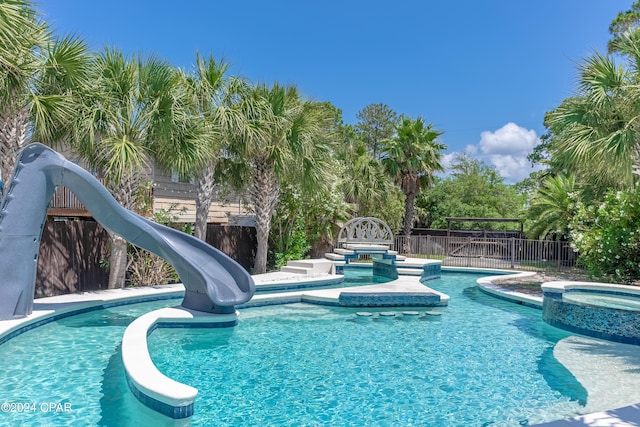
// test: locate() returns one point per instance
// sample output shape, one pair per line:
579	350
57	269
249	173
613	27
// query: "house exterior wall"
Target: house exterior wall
219	213
181	195
167	192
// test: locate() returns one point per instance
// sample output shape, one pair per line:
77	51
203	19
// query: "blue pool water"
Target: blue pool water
482	362
619	302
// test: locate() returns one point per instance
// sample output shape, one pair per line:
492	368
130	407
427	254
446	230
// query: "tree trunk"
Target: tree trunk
117	262
204	188
264	193
635	167
408	221
13	137
124	193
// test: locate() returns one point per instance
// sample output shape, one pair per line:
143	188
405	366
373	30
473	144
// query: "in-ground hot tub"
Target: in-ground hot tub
610	312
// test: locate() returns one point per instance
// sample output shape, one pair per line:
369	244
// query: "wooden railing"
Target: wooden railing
65	203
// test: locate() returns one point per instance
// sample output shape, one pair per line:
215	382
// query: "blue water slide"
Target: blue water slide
213	282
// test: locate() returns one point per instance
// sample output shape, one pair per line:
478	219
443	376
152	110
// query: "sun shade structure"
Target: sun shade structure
213	282
502	220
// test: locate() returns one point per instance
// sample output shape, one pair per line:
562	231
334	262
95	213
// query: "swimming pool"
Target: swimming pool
482	362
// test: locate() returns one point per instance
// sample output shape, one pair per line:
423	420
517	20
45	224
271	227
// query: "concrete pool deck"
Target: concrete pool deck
618	364
403	287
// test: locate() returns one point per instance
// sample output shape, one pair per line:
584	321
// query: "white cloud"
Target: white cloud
506	149
509	139
471	150
511	168
447	159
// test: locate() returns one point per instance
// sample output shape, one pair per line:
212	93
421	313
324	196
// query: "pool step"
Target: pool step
335	265
334	257
410	271
312	266
396	314
290	269
341	251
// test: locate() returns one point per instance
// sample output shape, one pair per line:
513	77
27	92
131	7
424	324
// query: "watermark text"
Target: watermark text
35	407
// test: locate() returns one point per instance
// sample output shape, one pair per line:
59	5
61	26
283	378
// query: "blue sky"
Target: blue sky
484	72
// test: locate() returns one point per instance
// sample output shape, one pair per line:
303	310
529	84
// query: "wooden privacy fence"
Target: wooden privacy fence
482	252
71	253
69	258
239	243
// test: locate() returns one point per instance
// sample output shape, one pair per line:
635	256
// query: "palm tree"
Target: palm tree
600	126
39	75
366	186
21	38
133	112
284	135
213	96
411	158
551	207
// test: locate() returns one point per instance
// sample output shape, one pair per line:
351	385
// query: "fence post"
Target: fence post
559	253
426	249
513	252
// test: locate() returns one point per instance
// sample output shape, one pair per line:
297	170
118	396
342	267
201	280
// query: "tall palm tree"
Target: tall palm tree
284	135
600	126
412	156
132	112
22	35
213	97
39	75
551	207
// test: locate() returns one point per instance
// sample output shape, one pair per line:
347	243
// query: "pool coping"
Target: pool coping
486	285
50	309
561	286
150	386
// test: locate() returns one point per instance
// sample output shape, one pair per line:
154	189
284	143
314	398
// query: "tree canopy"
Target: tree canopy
376	123
474	190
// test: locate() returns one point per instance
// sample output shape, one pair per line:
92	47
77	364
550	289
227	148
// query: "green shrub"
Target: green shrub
607	236
292	246
147	269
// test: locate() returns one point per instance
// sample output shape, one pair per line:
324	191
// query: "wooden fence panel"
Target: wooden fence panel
70	254
69	258
239	243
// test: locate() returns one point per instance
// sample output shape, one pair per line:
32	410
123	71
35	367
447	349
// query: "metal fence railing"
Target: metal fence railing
484	252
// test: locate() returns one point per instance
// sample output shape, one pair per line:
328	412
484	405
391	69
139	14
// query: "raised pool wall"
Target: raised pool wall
593	320
385	268
389	268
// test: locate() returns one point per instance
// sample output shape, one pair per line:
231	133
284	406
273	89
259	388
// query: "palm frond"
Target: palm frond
120	157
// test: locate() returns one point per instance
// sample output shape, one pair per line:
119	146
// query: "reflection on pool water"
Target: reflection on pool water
620	302
483	361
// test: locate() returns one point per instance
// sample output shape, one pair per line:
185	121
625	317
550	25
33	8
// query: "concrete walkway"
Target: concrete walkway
404	286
